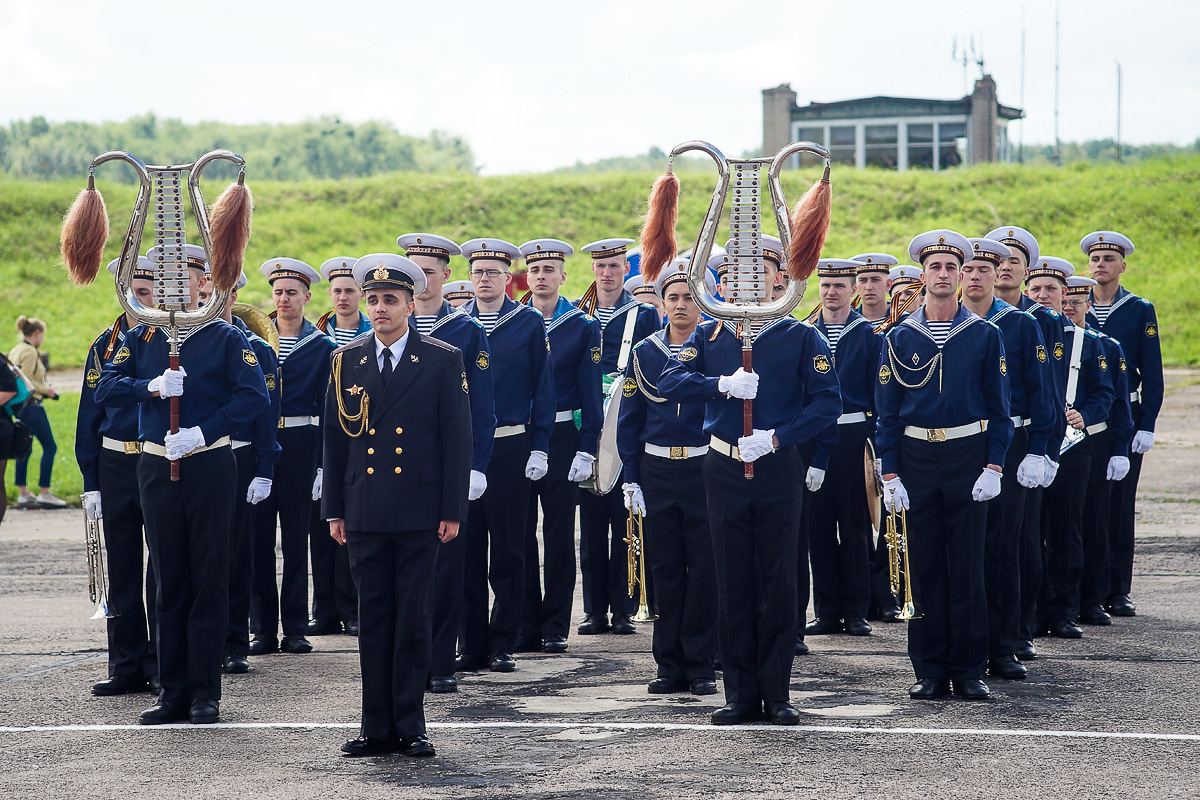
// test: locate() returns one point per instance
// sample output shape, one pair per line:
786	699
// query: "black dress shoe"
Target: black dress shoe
929	689
502	662
1065	629
204	712
782	713
823	627
1095	615
667	686
464	663
971	689
801	647
1007	667
323	627
352	628
737	713
417	746
1026	651
858	627
442	684
263	644
593	624
236	665
162	713
555	644
117	684
703	686
891	614
528	644
295	644
1121	606
622	624
368	746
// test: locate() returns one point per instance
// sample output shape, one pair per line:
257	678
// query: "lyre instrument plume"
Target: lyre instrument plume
97	578
899	569
635	539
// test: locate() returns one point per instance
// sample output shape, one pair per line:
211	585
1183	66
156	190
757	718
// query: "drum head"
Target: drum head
874	488
608	460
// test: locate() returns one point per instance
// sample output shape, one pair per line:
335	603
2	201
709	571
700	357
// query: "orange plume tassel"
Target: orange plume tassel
658	232
84	232
810	226
230	231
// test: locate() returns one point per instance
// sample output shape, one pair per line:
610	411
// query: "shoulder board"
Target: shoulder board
1146	302
351	345
1091	333
1053	314
439	343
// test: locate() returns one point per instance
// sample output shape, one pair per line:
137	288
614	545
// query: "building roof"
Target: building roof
883	106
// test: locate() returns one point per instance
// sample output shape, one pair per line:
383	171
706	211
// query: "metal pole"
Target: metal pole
1021	143
1119	159
1057	147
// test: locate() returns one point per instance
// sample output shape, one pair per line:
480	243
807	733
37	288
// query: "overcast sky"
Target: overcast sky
537	85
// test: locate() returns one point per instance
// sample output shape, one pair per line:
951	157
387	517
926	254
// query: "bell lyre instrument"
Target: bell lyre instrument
97	578
899	569
635	538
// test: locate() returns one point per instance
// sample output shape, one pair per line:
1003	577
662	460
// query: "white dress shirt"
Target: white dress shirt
397	349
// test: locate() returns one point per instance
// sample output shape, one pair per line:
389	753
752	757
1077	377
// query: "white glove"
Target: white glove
814	479
260	489
180	444
316	494
169	384
901	494
1118	468
91	505
1142	441
581	467
987	486
635	501
756	445
478	485
741	384
536	467
1051	471
1032	471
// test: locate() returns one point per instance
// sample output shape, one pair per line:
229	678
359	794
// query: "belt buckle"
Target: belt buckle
132	448
281	422
678	453
936	435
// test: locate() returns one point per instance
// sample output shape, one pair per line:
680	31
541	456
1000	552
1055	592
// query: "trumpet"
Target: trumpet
899	569
635	538
97	582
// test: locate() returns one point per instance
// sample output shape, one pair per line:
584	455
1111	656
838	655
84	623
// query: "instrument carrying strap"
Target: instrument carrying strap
627	338
1076	359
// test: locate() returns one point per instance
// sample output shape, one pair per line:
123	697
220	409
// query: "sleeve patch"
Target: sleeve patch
93	378
885	375
466	388
629	387
1003	366
1103	363
1041	353
249	357
596	354
821	364
270	381
122	356
482	361
687	354
1151	330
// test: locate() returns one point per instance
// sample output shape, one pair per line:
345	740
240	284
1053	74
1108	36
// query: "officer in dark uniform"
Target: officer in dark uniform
524	401
106	449
1130	320
575	351
433	317
187	521
398	437
942	433
624	321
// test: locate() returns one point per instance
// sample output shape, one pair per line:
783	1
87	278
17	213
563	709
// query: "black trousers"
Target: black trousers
448	602
394	576
1032	564
241	552
132	652
754	525
803	577
1002	553
946	532
334	597
549	614
1062	532
679	553
290	502
1122	517
839	531
495	553
1096	525
602	527
187	528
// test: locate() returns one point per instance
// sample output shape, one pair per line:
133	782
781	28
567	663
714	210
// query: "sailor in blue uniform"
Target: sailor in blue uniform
106	449
458	293
755	523
523	386
303	374
1023	251
575	351
345	322
1036	409
433	317
1130	320
624	322
644	293
942	434
871	284
220	389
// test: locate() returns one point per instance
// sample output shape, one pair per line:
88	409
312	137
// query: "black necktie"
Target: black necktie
386	372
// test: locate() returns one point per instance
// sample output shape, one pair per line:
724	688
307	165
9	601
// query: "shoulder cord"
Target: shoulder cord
343	415
643	383
935	362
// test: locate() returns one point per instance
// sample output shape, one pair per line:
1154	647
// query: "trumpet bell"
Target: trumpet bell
644	614
102	611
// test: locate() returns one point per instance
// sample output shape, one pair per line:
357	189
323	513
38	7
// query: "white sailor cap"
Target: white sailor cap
1079	284
606	248
545	250
875	262
275	268
1019	238
388	271
338	267
719	263
491	249
838	267
241	281
144	268
988	250
904	274
458	290
1106	240
1051	267
635	284
772	248
428	244
938	241
677	271
193	253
